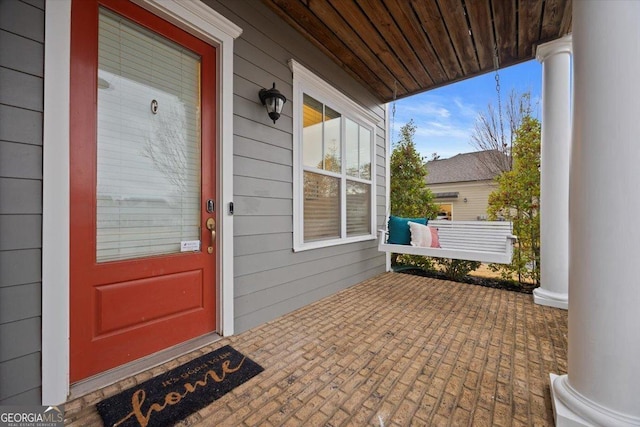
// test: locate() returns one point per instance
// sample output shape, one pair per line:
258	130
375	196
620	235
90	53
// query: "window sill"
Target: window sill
300	247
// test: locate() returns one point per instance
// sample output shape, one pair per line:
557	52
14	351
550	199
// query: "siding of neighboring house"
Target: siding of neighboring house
476	193
21	105
271	279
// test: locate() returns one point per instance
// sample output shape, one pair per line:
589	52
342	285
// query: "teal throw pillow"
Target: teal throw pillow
399	232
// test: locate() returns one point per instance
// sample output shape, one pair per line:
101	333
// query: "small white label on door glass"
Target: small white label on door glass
190	246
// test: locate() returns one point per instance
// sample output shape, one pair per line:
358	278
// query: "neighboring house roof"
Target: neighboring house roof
478	166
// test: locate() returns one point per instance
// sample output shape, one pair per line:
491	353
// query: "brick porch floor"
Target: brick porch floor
396	350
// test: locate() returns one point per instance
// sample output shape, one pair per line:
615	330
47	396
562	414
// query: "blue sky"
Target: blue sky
445	117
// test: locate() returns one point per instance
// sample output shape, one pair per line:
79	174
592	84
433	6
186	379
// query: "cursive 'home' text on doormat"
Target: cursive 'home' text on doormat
172	396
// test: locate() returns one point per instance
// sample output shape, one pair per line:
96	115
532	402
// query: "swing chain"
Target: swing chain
393	111
496	64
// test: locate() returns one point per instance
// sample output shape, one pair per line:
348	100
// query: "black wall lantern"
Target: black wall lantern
273	100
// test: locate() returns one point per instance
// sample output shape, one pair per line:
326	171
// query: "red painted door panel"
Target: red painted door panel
124	307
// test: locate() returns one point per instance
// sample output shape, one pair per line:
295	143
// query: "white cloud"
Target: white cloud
429	129
443	124
424	109
466	110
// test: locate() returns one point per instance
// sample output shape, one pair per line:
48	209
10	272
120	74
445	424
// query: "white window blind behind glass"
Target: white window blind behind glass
148	165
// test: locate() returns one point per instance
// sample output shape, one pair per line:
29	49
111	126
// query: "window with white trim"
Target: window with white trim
334	178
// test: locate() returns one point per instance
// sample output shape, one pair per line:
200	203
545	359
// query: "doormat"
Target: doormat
172	396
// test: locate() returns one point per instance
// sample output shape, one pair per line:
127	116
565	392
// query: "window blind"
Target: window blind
358	208
148	163
321	207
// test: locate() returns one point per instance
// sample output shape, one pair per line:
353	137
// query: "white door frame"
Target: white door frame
197	19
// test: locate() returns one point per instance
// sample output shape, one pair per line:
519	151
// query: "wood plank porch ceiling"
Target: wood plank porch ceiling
398	48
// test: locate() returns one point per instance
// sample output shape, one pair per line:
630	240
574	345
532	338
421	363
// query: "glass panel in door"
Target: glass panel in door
148	149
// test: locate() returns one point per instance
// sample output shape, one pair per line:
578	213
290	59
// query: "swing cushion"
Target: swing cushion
399	232
424	236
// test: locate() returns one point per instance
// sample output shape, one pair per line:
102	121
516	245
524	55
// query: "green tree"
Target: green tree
410	196
517	199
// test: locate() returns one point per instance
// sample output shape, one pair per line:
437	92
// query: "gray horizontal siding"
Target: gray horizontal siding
36	3
23	336
276	260
250	186
20	232
259	132
20	376
26	126
24	398
20	196
21	102
12	49
24	19
253	282
262	206
271	279
263	150
247	304
259	225
20	160
19	267
257	168
260	243
19	303
21	90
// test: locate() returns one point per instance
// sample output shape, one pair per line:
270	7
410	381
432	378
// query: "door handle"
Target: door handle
211	225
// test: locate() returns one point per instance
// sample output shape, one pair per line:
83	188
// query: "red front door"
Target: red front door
142	185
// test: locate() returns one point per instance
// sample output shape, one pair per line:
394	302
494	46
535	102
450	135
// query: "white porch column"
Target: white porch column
555	154
603	384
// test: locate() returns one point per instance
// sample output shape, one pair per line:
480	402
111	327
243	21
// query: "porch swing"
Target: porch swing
484	241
